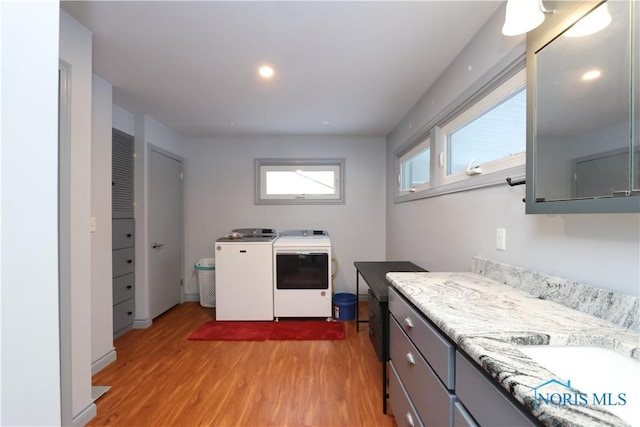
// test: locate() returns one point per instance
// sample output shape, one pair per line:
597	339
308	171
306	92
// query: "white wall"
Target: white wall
123	120
75	49
29	337
443	233
102	350
220	182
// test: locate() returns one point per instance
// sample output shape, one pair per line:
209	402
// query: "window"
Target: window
415	168
489	136
477	141
283	181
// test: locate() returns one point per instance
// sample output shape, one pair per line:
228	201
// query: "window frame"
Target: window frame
484	104
262	166
424	144
511	65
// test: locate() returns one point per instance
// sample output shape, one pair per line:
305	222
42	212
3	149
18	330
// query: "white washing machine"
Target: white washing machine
244	274
302	274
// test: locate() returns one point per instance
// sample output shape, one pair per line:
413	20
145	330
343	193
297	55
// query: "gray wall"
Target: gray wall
443	233
220	197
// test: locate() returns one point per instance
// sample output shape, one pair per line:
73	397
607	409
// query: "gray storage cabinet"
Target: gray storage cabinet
123	233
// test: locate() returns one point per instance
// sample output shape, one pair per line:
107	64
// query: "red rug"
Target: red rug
262	331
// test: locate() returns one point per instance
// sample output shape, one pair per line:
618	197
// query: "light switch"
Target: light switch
92	226
501	239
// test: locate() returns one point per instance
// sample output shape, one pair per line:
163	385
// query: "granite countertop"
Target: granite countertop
488	320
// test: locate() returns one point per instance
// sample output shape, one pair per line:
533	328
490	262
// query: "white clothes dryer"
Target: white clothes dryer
302	274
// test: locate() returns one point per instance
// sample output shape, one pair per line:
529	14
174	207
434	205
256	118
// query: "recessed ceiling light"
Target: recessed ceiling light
266	71
326	122
231	122
591	75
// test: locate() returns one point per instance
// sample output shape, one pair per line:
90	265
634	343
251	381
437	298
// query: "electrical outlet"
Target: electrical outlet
92	224
501	239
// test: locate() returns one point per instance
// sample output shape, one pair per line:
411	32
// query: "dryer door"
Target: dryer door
302	270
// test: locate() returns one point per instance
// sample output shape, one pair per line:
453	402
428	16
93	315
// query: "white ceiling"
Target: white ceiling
192	65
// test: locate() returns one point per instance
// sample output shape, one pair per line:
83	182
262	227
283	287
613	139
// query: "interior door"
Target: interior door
165	232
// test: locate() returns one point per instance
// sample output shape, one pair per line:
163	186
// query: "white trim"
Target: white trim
86	415
142	323
192	297
64	243
104	361
494	98
424	145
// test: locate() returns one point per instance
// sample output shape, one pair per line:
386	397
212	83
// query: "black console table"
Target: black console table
374	274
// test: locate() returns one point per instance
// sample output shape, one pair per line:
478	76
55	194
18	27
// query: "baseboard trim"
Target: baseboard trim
104	361
142	323
86	415
192	297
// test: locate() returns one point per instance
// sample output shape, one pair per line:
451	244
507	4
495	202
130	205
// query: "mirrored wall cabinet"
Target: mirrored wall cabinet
583	118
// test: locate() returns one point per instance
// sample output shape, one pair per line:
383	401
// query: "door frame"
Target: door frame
64	249
151	148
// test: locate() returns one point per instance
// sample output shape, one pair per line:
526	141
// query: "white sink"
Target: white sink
594	371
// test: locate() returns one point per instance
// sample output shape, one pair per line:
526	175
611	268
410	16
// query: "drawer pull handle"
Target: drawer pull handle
129	313
409	419
129	261
129	234
408	322
129	286
411	359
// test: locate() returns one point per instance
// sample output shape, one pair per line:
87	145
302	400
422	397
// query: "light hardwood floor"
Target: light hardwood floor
163	379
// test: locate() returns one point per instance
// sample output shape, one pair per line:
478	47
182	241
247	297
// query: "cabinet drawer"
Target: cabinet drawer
403	410
122	233
484	401
437	349
461	418
431	399
123	315
123	288
123	262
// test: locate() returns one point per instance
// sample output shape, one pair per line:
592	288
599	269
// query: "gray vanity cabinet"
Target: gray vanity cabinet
422	368
431	383
485	403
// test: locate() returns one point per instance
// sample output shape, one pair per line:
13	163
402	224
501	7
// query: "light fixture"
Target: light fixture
593	22
523	16
266	71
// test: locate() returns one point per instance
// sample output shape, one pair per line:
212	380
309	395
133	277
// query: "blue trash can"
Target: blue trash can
344	306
